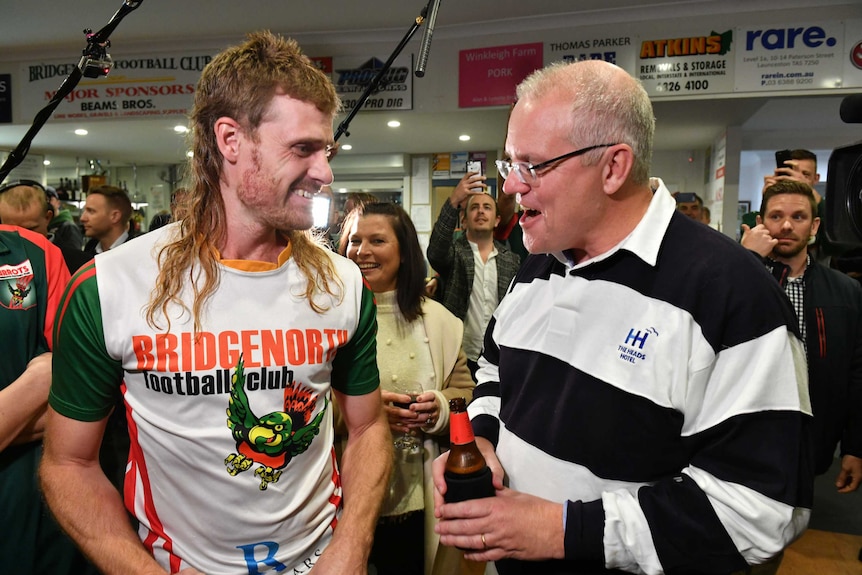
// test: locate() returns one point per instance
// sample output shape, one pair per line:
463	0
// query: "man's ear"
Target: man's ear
115	216
618	165
227	134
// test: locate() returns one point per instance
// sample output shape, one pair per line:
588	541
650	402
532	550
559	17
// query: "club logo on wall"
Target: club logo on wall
352	77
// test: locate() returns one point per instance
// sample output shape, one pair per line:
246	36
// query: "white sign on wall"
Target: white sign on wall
700	63
143	86
352	76
573	47
790	57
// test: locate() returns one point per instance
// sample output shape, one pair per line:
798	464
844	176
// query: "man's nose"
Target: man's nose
514	185
320	170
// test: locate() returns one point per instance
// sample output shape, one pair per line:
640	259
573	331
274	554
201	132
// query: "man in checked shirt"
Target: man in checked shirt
828	306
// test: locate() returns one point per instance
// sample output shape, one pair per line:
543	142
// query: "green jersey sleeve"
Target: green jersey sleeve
354	369
86	380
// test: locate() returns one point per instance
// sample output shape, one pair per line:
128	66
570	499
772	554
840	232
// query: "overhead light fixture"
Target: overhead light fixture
346	147
464	137
190	154
180	129
81	132
46	162
393	123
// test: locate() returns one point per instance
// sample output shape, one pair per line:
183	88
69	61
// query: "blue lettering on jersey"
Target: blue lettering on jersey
269	560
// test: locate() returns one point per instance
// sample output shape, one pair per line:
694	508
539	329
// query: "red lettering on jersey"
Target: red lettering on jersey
142	345
315	346
205	351
272	347
166	352
228	353
248	348
186	351
295	345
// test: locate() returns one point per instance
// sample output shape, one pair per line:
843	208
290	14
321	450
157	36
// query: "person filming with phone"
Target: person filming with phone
474	268
798	165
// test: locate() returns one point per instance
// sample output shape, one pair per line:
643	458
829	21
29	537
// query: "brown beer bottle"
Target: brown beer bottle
467	475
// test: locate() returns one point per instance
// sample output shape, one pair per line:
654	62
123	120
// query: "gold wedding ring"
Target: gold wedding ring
484	545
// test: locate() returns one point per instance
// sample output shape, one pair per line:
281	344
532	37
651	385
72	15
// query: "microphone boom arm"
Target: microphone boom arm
95	62
344	125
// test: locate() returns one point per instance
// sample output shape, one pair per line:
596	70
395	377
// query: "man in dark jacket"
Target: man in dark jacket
475	269
106	217
62	229
828	305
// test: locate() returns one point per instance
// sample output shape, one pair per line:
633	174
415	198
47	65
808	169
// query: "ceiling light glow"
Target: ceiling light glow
81	132
393	123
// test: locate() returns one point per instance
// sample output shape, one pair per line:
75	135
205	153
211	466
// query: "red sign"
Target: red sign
856	55
323	63
488	76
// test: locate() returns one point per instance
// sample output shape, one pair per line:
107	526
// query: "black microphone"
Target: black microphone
425	47
851	109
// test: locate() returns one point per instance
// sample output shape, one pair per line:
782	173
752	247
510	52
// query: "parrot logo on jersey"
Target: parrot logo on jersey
274	439
19	292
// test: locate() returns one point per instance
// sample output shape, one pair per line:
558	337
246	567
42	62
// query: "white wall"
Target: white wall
682	171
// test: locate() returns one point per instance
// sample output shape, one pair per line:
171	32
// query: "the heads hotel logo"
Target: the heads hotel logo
633	349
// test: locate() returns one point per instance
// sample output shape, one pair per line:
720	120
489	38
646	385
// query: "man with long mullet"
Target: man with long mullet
228	334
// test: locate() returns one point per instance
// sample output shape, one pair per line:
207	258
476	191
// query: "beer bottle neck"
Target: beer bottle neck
460	430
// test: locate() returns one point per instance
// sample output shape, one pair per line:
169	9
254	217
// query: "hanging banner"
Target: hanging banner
137	86
794	57
488	76
683	65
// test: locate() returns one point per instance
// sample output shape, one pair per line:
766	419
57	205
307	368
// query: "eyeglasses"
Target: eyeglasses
529	173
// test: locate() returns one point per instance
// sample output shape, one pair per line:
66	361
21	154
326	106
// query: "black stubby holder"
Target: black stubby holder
471	486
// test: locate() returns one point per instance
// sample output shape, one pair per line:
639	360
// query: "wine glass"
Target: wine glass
408	440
